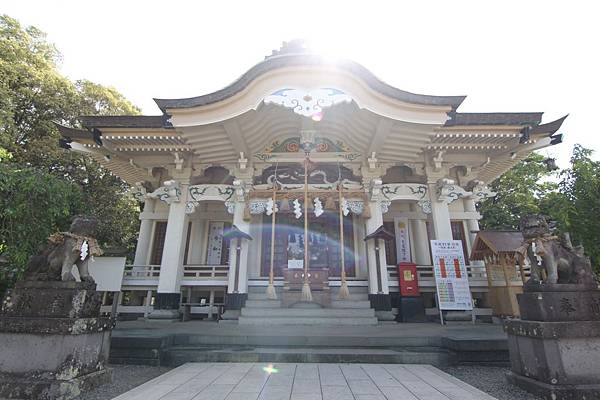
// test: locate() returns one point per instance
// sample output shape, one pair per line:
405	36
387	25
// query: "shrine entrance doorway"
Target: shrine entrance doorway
323	243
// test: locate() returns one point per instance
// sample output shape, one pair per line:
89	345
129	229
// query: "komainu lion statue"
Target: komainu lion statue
561	261
65	255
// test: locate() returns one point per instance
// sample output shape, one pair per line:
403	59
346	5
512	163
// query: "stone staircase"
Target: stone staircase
261	311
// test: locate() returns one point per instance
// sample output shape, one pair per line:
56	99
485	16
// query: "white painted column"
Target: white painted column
440	216
421	242
472	223
254	247
196	242
244	226
171	267
372	224
148	303
142	248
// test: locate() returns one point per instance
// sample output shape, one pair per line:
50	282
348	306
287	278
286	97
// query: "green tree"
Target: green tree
519	191
576	206
33	205
34	95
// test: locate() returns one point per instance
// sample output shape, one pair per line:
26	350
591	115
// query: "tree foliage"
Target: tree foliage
576	206
39	176
33	205
519	191
570	198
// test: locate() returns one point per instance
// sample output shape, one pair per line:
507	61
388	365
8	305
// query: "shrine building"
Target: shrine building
274	198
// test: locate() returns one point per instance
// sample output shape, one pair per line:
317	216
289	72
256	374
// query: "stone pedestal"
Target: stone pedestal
555	346
382	304
166	307
411	309
53	341
234	302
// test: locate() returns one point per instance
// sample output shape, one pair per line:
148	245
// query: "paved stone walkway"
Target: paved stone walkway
260	381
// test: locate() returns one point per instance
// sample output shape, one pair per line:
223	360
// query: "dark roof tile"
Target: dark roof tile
125	121
518	118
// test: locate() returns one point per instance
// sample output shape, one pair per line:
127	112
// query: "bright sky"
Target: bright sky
510	56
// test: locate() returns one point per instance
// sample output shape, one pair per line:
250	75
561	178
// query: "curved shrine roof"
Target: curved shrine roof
295	54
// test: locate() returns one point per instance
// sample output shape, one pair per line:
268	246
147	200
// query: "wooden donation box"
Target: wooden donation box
318	279
504	266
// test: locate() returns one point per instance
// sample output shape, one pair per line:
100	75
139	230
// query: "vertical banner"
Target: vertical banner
451	277
402	240
295	250
215	243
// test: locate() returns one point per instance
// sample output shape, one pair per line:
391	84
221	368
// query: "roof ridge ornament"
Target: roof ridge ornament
308	103
295	46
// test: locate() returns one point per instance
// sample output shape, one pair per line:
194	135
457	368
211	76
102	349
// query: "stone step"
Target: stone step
303	340
334	304
351	304
353	296
353	290
308	312
362	290
426	355
153	348
263	304
313	321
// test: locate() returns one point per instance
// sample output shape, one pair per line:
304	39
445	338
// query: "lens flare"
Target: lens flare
270	369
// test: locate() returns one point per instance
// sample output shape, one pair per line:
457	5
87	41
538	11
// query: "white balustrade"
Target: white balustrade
205	272
141	271
190	272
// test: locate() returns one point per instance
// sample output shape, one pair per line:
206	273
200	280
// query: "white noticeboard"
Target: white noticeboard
295	251
215	242
451	279
402	240
107	272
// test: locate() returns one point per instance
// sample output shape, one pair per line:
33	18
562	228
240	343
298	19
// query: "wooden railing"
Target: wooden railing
477	275
205	272
193	272
141	271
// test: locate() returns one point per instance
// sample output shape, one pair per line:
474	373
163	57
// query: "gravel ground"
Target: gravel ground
489	379
124	378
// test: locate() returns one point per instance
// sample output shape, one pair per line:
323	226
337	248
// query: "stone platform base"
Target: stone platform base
555	392
12	387
411	309
53	340
292	297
